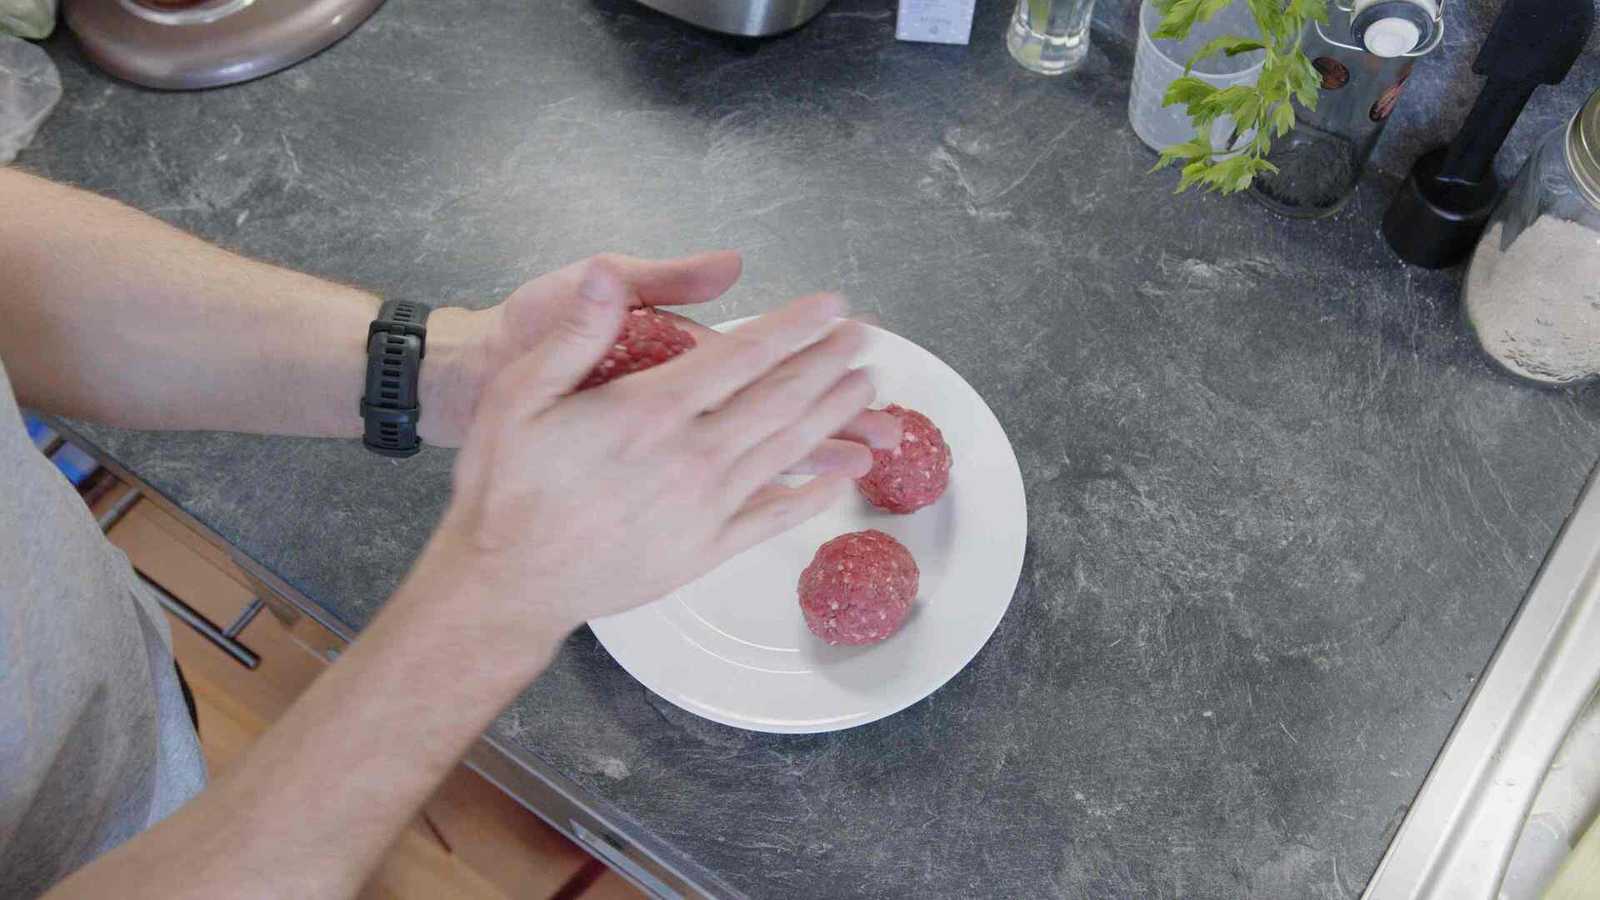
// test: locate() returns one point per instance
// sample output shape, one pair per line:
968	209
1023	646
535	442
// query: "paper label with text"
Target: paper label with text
935	21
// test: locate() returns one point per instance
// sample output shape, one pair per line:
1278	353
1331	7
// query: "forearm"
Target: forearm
111	315
311	808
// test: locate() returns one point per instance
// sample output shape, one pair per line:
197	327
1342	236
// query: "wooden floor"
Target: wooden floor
470	841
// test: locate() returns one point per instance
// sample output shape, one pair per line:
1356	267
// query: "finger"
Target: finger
707	376
572	347
777	508
795	441
845	457
708	333
701	333
783	393
875	428
670	282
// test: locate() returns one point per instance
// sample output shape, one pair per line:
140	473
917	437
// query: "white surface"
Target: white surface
935	21
1156	64
733	647
1391	37
1568	800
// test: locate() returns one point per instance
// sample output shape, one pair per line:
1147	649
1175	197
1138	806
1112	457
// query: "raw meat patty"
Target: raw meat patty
858	588
648	339
914	473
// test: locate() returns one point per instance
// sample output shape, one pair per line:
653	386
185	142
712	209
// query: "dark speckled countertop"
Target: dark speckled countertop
1280	508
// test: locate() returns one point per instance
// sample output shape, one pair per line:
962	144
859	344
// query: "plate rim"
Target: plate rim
1017	557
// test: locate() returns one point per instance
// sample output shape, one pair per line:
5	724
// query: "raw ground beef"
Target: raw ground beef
859	588
914	473
648	339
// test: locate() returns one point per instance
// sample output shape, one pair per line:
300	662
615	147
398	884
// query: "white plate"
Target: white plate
732	646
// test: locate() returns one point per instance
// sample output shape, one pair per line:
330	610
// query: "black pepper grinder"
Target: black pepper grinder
1435	219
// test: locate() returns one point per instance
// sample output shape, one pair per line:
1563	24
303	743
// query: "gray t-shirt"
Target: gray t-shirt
95	741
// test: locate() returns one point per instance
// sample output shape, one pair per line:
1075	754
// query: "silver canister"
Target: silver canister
1364	54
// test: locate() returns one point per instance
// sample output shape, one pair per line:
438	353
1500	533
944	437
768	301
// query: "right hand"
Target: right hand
569	507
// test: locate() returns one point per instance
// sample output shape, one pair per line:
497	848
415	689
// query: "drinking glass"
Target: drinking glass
1050	36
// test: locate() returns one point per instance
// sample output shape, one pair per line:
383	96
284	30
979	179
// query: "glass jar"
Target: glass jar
1050	37
1532	295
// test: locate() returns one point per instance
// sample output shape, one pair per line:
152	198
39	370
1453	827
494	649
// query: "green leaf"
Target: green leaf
1230	175
1178	19
1268	16
1231	44
1307	81
1248	110
1182	15
1186	91
1188	151
1229	101
1192	174
1265	109
1209	8
1282	118
1306	93
1308	10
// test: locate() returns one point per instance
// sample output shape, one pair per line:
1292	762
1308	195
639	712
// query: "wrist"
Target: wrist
502	627
515	594
451	376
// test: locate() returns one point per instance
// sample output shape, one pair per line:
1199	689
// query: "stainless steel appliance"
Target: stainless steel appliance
751	18
188	44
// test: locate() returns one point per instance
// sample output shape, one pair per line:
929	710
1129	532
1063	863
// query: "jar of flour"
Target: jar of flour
1533	289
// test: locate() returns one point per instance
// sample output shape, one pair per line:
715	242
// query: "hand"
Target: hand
468	348
583	505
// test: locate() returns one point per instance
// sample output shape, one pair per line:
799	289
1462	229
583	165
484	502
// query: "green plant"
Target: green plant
1267	106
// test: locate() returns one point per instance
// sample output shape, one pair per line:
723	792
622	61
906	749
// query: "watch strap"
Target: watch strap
402	317
396	343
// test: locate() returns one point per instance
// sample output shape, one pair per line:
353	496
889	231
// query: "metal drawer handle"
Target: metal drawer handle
619	860
224	639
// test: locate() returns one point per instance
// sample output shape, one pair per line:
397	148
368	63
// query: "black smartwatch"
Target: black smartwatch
396	343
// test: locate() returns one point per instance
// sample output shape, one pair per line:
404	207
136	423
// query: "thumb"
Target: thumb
574	345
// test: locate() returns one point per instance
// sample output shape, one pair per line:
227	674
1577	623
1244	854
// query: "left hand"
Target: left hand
468	348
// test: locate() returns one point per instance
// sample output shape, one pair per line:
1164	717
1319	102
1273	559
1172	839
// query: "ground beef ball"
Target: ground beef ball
648	339
859	588
914	473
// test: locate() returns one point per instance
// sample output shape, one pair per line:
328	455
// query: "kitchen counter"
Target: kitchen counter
1280	508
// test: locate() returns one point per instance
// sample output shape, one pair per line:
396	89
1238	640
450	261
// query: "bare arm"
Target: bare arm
565	508
114	316
309	811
